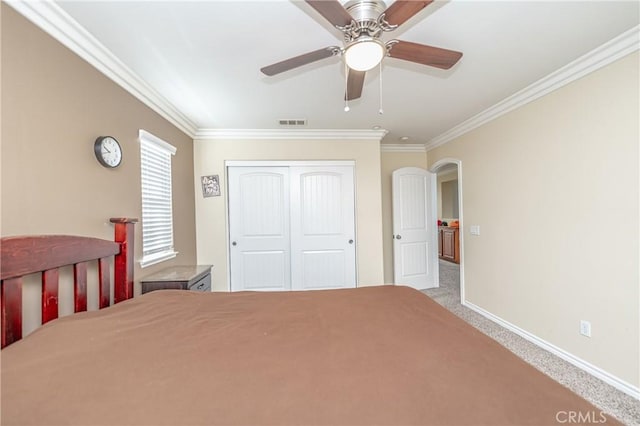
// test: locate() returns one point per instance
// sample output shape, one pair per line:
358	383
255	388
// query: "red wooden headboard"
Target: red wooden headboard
45	254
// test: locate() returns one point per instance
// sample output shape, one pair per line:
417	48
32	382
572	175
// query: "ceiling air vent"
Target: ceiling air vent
293	122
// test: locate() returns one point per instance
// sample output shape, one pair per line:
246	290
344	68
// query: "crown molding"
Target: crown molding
53	20
620	46
408	147
280	134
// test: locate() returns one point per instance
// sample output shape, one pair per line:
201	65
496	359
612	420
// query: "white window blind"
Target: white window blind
157	212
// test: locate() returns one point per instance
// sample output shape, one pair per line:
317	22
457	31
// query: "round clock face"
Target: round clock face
108	151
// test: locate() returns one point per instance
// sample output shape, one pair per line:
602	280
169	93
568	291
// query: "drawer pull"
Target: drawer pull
201	286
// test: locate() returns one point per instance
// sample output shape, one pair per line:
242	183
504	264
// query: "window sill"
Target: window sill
157	258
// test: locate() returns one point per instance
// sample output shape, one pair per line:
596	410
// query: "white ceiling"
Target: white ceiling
204	58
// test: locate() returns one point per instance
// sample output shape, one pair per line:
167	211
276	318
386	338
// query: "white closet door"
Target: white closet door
323	242
259	228
415	246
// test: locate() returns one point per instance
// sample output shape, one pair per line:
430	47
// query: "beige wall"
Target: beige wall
390	161
447	176
563	246
210	157
54	106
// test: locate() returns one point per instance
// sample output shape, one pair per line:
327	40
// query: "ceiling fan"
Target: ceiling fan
362	22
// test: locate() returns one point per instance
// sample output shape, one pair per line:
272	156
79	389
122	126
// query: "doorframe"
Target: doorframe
434	169
286	163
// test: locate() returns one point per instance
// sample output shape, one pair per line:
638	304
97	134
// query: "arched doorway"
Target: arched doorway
449	172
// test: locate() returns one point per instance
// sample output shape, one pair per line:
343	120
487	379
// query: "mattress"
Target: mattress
373	355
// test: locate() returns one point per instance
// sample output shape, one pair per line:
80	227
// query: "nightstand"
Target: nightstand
189	277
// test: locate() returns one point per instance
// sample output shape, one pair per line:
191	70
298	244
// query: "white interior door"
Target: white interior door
259	229
415	246
323	243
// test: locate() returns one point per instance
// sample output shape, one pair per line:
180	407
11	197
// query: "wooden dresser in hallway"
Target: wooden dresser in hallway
449	243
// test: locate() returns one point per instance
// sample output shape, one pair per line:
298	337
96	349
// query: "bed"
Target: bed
372	355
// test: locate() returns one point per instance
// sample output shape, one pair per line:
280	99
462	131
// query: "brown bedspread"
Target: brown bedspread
376	355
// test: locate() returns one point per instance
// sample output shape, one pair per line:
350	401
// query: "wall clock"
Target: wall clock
108	151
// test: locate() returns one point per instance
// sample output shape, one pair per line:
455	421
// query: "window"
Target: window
157	212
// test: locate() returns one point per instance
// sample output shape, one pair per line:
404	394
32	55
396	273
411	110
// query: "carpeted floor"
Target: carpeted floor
612	401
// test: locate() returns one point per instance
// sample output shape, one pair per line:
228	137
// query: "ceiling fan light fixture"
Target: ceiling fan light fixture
364	53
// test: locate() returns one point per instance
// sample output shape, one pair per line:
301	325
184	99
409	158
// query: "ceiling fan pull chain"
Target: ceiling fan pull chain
346	87
380	111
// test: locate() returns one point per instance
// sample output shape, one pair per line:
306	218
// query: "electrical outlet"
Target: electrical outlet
585	328
474	229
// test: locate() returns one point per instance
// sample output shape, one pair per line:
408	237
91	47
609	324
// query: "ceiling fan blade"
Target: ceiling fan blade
298	61
423	54
401	10
355	82
332	10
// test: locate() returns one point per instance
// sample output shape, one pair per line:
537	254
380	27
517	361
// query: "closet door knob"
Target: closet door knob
398	237
234	243
350	241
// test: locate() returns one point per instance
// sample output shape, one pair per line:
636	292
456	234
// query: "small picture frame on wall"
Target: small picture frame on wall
210	186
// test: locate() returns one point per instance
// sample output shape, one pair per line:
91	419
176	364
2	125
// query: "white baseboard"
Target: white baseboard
608	378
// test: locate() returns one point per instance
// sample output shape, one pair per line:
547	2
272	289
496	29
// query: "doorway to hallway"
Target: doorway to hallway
450	225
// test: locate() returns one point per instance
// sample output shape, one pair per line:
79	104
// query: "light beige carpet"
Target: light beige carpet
612	401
